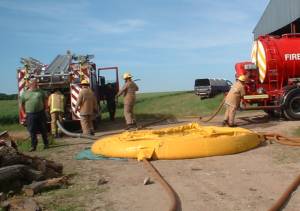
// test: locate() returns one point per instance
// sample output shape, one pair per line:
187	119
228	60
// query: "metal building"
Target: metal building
280	17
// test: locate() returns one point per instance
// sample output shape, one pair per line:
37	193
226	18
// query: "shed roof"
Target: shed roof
277	15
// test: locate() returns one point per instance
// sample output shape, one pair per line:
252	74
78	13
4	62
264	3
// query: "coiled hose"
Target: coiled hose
281	139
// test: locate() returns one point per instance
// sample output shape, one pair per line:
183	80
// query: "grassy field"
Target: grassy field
176	104
148	105
9	115
8	111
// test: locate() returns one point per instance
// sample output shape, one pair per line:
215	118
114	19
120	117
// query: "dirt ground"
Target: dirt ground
251	180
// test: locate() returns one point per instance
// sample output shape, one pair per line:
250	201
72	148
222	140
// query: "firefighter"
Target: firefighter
32	104
56	104
128	91
233	100
87	105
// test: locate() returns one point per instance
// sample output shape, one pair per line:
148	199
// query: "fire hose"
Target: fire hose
281	139
214	113
175	204
286	195
75	135
80	135
174	199
282	201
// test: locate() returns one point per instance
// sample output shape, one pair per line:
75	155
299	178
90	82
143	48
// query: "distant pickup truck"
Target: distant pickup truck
206	88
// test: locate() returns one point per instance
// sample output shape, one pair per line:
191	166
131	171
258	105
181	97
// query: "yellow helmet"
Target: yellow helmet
127	75
242	78
84	82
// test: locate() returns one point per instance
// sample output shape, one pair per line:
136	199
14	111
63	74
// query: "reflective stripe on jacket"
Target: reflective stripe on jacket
56	102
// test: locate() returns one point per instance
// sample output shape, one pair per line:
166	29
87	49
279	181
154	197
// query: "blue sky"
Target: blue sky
165	43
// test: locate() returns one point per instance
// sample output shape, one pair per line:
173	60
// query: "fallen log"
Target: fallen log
37	187
15	176
10	156
43	165
18	169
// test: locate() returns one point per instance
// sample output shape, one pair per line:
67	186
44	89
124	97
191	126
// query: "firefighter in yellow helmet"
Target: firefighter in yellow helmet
56	104
87	105
233	100
128	91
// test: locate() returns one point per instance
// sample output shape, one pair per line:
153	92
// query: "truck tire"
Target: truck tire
292	105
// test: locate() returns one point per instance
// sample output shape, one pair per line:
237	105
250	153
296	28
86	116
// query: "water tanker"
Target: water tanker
274	75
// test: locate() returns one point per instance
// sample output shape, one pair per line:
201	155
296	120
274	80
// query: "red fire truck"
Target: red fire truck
274	76
65	73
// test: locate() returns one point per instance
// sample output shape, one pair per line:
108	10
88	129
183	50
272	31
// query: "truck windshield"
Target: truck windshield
202	82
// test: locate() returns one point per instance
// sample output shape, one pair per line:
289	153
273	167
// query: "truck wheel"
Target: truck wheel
292	105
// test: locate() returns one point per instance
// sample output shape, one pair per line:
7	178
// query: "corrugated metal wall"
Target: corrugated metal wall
278	14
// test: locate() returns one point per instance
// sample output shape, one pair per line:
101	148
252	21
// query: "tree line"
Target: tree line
4	96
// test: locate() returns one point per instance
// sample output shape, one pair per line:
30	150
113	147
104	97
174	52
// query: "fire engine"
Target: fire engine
65	73
274	76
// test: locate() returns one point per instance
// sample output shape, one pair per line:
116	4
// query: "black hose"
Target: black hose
80	135
75	135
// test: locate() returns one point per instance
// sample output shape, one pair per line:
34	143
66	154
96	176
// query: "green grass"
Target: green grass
12	127
25	144
148	105
9	112
175	104
9	116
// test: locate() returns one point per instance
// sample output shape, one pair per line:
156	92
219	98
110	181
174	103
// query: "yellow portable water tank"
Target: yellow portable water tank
180	142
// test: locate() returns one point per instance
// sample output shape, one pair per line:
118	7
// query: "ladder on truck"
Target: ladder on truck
273	77
32	65
59	65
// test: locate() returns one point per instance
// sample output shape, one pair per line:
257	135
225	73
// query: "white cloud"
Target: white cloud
117	27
